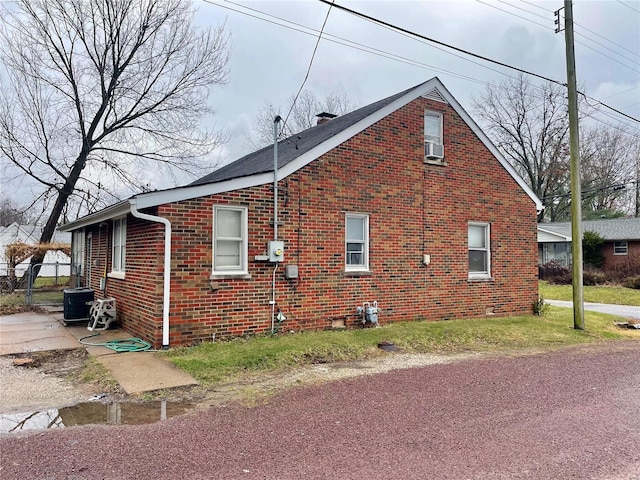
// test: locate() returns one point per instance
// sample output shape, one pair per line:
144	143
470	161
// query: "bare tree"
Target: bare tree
303	115
10	213
98	93
608	156
529	125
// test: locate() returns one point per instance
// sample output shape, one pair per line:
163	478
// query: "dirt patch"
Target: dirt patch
53	379
65	377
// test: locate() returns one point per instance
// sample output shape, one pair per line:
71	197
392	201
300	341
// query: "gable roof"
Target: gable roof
610	229
298	151
295	146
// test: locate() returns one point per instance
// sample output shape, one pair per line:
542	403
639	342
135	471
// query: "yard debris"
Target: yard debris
97	397
23	362
388	346
630	324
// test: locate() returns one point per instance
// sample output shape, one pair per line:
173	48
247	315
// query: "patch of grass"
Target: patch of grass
92	371
596	294
12	299
223	361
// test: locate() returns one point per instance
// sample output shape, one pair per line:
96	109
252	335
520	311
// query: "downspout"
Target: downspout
167	268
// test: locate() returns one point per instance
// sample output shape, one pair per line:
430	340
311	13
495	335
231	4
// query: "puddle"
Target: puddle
93	413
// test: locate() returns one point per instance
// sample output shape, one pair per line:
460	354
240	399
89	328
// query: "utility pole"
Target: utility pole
637	184
576	194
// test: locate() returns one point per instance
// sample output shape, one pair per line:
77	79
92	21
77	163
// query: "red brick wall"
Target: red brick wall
413	209
625	264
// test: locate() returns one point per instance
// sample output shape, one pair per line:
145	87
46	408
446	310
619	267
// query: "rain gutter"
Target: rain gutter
167	267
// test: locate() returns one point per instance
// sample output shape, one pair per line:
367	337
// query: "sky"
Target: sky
272	43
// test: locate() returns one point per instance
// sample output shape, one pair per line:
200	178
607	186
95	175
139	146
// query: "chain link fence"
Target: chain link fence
19	285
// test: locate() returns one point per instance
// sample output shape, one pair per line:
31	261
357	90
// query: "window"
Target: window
479	251
433	144
119	243
229	240
78	252
357	242
620	248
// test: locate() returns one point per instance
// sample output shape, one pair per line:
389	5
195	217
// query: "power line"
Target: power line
515	14
605	38
608	56
536	5
575	23
384	54
438	42
313	55
634	9
551	28
527	11
358	46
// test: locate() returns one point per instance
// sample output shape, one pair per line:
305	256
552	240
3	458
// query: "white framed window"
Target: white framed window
433	136
119	245
230	240
77	240
479	250
620	248
356	242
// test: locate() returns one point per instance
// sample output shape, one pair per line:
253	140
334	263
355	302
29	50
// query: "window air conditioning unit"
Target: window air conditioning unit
433	150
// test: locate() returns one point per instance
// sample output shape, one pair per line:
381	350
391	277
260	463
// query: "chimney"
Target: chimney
324	117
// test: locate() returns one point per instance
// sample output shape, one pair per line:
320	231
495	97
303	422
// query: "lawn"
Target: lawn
223	361
596	294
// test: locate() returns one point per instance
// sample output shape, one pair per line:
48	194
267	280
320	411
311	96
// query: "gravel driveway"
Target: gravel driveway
566	414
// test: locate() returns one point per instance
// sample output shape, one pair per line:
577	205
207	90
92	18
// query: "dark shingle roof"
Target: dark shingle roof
292	147
609	229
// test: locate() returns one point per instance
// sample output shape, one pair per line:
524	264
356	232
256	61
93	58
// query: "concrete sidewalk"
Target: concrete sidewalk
136	372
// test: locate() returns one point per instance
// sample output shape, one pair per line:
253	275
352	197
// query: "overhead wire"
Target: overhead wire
516	15
438	42
629	7
551	28
521	70
359	46
392	56
576	24
313	55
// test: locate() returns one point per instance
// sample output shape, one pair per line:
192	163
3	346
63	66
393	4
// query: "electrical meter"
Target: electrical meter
276	251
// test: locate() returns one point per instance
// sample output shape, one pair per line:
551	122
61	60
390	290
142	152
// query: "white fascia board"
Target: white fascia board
547	236
488	143
153	199
108	213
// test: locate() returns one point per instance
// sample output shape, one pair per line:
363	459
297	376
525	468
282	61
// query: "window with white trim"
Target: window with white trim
620	248
119	245
78	252
479	250
229	240
356	242
433	136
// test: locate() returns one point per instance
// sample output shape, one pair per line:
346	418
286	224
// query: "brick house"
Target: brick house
404	202
621	247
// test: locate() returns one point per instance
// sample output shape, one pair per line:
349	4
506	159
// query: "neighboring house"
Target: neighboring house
30	234
404	202
621	249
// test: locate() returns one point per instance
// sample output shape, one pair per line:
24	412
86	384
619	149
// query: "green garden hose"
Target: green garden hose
120	345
